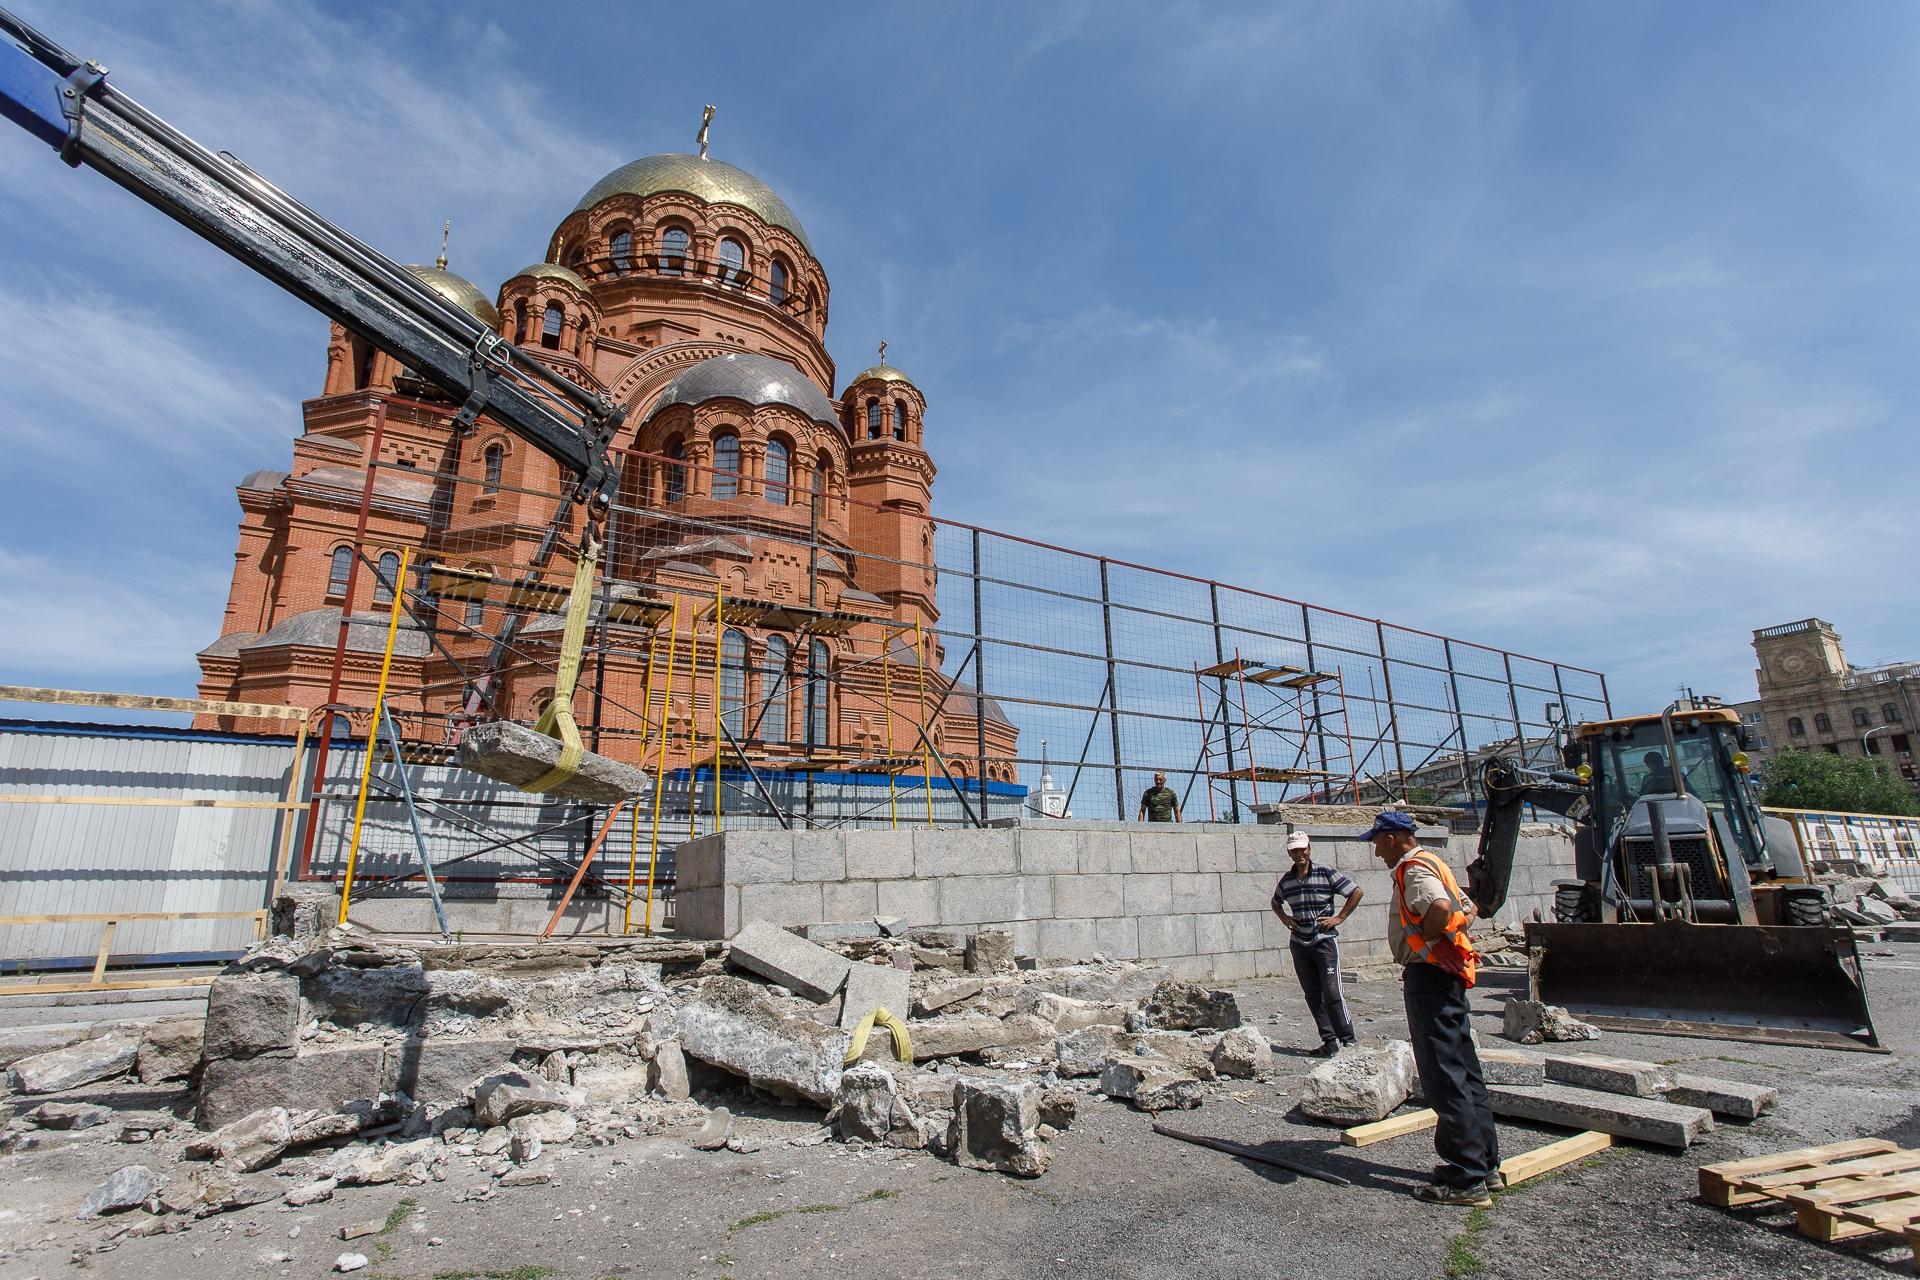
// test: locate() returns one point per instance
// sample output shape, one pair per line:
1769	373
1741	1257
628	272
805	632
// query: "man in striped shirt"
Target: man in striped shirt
1304	902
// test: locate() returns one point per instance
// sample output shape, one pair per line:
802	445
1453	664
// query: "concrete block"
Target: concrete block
1610	1075
972	1032
1036	898
438	1069
1213	851
697	862
231	1087
1653	1120
1261	850
879	855
963	852
1194	968
796	964
1160	850
1360	1086
1274	936
1149	895
1234	966
995	1127
1247	890
781	903
1105	852
1026	936
1150	1084
1043	852
253	1013
1067	940
1211	934
1089	896
735	1027
1511	1067
703	913
1352	856
1268	963
870	987
757	857
101	1058
978	899
516	754
915	901
1194	893
850	900
819	855
1166	936
1118	938
1734	1098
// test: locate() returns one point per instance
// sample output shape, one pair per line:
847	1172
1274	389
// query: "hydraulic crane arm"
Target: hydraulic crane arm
1509	786
67	103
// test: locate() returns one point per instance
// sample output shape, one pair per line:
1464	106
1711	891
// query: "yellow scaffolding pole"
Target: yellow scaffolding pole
660	779
646	727
693	721
719	674
886	694
926	761
398	587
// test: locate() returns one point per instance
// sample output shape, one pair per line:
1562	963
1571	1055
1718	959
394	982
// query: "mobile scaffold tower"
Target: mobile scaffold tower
1296	723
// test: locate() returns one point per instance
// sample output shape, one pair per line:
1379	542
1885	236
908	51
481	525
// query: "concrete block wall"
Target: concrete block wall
1193	897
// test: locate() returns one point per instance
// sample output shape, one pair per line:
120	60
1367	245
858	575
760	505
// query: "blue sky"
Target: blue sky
1586	330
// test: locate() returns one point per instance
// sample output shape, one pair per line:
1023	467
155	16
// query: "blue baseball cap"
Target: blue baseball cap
1390	820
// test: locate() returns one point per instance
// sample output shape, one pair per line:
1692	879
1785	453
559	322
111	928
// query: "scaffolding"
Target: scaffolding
1297	722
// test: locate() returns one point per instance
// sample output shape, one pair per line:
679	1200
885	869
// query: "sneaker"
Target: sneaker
1327	1050
1496	1181
1475	1194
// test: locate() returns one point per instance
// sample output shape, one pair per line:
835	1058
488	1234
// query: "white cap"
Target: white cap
1298	840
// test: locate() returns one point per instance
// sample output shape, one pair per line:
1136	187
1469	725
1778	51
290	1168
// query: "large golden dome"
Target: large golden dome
714	181
458	290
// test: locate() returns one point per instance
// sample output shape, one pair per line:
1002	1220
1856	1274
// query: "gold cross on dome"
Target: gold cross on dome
445	231
706	120
883	351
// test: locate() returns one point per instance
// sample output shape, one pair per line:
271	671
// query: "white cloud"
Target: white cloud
69	623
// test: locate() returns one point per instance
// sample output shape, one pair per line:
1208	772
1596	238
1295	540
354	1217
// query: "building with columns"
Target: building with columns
686	290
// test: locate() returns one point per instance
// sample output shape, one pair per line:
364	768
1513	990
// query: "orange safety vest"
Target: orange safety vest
1454	950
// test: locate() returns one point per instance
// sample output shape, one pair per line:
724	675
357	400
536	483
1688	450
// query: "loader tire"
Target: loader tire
1574	904
1808	910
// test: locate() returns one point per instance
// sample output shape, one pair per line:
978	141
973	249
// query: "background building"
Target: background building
1811	697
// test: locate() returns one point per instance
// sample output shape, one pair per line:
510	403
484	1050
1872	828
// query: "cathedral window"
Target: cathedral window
733	683
622	247
550	326
676	472
520	322
873	419
778	467
822	474
673	251
384	578
899	421
777	282
733	261
476	613
726	466
493	460
1796	727
773	691
817	675
339	571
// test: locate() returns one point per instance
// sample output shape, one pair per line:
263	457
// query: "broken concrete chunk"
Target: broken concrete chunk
871	987
325	1081
1187	1006
667	1072
715	1133
128	1188
990	951
209	1191
69	1115
524	1148
1360	1086
931	958
611	1078
1150	1084
537	1175
1511	1067
311	1193
1610	1075
939	995
1243	1054
778	956
516	754
873	1109
1733	1098
962	1033
169	1050
499	1098
1088	1051
994	1128
891	926
1069	1014
1058	1107
548	1126
1531	1022
99	1059
249	1143
389	1164
252	1013
1641	1119
1192	1052
732	1025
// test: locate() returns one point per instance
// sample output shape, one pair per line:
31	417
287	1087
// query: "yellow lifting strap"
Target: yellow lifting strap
557	720
902	1043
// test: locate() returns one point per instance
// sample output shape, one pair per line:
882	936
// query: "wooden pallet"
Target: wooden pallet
1839	1191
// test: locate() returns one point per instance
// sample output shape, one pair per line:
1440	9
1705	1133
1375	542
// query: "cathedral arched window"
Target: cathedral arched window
733	683
362	363
550	326
622	248
817	678
339	571
385	577
873	419
732	257
773	691
778	467
822	477
726	466
493	460
899	421
673	250
520	322
777	281
676	470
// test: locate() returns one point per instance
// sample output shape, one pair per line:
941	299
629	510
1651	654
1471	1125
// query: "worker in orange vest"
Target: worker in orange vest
1428	933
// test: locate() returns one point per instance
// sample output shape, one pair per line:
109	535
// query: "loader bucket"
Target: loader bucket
1783	984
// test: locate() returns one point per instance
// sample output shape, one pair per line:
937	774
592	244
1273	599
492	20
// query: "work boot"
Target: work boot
1474	1195
1327	1050
1496	1181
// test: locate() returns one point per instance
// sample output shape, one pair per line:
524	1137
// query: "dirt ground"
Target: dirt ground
1118	1201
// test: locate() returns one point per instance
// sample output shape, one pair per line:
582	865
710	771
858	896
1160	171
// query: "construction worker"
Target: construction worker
1304	902
1158	803
1428	933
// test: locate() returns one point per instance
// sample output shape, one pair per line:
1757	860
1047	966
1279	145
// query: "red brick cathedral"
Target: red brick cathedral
687	290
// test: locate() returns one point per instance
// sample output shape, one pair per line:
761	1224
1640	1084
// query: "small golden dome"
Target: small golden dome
552	271
882	372
458	290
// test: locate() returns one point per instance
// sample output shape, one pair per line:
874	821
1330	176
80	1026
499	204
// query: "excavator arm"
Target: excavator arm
1509	786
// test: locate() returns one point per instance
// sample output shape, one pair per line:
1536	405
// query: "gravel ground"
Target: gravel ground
1118	1201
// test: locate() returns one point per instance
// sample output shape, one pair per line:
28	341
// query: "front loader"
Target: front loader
1692	912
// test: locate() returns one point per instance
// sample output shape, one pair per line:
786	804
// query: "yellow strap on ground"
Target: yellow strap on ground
557	720
881	1016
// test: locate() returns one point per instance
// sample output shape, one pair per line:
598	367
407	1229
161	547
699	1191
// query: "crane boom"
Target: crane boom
67	103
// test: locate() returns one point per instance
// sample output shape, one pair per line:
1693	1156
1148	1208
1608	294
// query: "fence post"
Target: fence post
1393	710
1113	688
1226	721
979	684
1469	785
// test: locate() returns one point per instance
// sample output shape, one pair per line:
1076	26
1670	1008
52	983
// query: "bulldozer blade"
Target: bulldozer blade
1783	984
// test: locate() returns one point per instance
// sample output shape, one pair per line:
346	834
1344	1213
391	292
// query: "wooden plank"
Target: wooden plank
147	702
1717	1180
1530	1164
155	802
106	942
1365	1135
65	988
98	917
1773	1183
1837	1196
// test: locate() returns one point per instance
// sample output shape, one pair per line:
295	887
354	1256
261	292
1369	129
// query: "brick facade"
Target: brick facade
1811	697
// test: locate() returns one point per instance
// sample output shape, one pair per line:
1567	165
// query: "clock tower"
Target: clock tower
1796	655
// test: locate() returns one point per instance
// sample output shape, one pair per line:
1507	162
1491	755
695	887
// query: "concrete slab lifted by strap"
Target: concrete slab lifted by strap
517	755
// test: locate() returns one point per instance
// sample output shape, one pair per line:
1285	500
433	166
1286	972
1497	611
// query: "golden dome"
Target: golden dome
552	271
458	290
713	181
881	373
